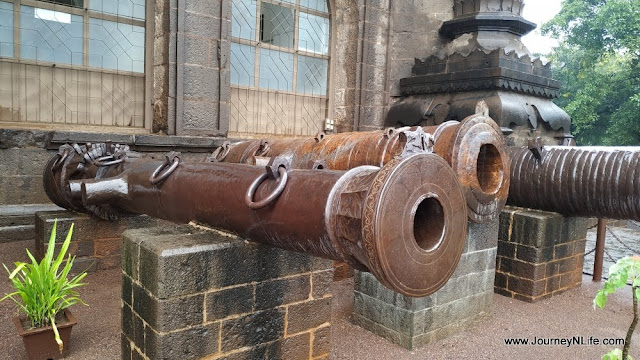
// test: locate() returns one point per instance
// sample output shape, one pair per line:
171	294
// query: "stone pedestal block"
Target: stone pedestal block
540	254
191	294
96	243
412	322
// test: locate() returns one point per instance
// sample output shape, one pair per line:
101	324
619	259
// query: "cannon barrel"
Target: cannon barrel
474	148
404	222
599	182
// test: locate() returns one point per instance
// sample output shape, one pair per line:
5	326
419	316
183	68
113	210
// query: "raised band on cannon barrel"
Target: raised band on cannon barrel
474	148
601	182
404	222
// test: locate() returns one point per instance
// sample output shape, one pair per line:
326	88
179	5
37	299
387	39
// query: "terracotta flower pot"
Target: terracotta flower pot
40	343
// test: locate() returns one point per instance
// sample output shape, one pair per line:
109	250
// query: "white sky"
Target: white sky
540	11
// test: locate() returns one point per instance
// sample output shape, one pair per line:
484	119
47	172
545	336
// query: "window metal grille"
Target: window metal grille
73	62
279	67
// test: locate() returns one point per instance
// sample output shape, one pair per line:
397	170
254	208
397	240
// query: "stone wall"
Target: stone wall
414	34
464	300
96	244
540	254
189	294
24	154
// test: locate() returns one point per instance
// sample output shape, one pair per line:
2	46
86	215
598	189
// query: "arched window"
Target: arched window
279	67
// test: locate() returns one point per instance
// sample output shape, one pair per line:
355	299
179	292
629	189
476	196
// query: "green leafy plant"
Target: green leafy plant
44	289
626	269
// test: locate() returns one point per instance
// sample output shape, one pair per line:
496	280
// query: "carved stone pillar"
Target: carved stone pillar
485	59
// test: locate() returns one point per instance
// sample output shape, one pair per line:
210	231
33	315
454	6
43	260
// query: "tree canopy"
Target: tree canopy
598	62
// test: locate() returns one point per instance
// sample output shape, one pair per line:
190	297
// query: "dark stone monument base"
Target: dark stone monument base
540	253
464	300
189	294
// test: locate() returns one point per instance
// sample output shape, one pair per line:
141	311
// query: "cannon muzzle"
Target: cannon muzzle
474	148
404	222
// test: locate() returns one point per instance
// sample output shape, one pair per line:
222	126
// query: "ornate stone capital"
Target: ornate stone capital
487	15
469	7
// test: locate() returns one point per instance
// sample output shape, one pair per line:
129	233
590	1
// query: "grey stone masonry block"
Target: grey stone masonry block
320	283
125	347
199	25
540	254
308	315
189	293
186	261
25	189
127	289
17	233
456	326
536	228
574	228
253	329
277	292
196	50
476	261
200	115
191	343
200	82
168	314
321	341
24	161
208	8
384	314
227	302
466	297
482	236
367	284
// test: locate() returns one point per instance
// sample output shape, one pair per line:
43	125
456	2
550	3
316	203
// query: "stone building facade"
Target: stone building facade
187	65
189	74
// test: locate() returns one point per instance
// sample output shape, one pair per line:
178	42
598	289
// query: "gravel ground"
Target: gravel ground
568	315
618	243
97	335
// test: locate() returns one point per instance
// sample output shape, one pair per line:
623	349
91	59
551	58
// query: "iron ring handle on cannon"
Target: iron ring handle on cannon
248	199
60	160
156	177
103	161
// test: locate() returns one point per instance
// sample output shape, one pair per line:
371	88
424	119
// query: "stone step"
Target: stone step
14	220
17	233
26	209
17	222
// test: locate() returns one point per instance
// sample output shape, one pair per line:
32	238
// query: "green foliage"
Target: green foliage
625	270
598	62
43	289
615	354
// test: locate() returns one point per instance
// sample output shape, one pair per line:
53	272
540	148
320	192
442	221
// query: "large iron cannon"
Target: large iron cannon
474	148
405	222
599	182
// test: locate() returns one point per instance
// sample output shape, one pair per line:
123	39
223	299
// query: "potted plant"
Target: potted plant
43	291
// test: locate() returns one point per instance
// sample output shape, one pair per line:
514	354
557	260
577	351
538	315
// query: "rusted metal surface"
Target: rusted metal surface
404	222
599	253
339	151
474	148
598	182
476	151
